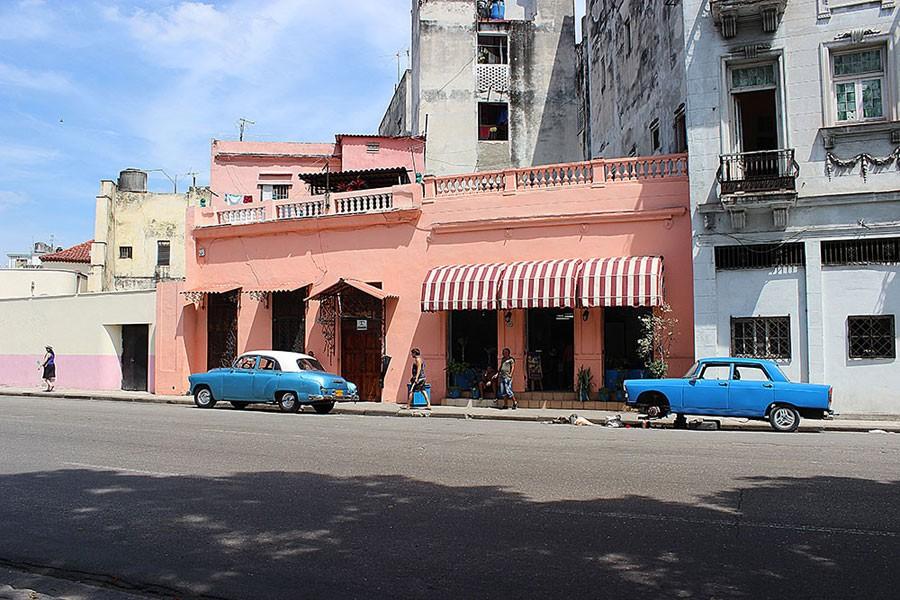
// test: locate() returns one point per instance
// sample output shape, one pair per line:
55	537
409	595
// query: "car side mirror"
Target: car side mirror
693	381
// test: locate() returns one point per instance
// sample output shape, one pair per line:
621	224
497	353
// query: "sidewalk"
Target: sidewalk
890	423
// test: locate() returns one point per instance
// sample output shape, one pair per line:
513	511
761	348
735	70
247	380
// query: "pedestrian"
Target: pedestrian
504	387
417	381
48	364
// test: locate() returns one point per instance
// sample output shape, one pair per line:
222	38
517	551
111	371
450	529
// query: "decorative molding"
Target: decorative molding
738	219
826	6
780	217
864	160
750	51
630	216
856	35
194	297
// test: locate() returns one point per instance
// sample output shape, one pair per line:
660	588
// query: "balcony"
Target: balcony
763	179
727	13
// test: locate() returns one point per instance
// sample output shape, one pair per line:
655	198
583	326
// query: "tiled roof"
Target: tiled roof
76	254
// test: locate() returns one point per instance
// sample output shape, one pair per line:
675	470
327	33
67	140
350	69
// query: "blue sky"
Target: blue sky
89	88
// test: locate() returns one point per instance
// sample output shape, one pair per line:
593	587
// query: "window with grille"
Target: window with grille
125	251
493	50
163	252
859	84
871	336
680	126
760	256
280	192
761	337
882	251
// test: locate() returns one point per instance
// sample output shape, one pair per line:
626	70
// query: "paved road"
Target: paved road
180	502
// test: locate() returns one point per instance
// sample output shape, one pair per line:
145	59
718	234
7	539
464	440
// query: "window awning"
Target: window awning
344	284
262	288
462	287
540	284
625	281
212	288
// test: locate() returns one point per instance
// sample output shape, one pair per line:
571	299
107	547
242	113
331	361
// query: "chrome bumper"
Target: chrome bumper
333	398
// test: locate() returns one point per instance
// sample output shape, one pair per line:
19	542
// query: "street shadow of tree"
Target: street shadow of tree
306	535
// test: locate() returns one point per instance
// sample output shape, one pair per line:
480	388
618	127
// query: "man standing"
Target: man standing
504	389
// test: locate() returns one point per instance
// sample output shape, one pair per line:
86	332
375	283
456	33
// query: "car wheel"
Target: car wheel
323	408
288	402
784	418
203	398
240	405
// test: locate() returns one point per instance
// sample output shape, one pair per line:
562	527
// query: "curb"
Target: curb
844	427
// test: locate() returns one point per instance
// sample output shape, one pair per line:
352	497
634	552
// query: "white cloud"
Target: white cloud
44	81
25	20
22	154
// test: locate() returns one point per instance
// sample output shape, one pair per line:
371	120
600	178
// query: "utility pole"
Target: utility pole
242	122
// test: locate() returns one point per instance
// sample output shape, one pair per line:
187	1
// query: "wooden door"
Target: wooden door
361	356
135	348
221	330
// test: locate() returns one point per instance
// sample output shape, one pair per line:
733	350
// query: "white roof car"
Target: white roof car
288	360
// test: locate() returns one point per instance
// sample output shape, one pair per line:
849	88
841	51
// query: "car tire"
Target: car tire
323	408
203	397
288	402
784	419
240	405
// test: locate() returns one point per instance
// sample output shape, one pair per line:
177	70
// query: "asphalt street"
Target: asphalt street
173	501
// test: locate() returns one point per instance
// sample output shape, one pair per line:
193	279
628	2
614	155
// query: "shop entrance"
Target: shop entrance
362	342
551	349
221	329
472	337
289	321
621	331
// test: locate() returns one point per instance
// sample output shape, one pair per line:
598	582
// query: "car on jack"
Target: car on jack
287	379
732	387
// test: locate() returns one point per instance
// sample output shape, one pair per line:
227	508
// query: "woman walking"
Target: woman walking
49	366
417	381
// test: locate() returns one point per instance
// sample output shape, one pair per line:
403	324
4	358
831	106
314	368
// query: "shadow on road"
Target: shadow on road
292	535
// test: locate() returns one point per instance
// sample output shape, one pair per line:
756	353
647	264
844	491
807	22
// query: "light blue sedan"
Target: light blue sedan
732	387
287	379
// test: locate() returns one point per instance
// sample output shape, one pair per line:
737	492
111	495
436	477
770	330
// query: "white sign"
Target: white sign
362	325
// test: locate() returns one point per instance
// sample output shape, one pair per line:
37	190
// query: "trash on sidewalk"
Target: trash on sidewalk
705	425
615	421
879	431
572	419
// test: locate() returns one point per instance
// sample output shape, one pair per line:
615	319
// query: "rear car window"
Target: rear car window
309	364
716	372
268	364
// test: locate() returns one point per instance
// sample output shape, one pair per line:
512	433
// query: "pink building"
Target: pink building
557	263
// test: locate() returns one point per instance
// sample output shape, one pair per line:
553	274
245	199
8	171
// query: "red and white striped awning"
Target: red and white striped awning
625	281
462	287
540	284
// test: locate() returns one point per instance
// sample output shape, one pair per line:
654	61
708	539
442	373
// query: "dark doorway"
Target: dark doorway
551	346
289	321
362	343
757	112
221	329
473	339
621	330
135	348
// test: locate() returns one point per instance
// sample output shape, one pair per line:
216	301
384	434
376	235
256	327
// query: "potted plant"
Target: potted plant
659	330
457	370
584	383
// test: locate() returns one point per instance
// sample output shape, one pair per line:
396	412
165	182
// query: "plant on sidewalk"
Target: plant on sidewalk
584	383
658	333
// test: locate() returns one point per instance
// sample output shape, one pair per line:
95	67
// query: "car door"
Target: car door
267	370
237	384
708	392
751	390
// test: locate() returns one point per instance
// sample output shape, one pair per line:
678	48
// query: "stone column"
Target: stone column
815	328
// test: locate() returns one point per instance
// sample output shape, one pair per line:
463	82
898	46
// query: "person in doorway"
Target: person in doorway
504	386
48	364
417	381
488	383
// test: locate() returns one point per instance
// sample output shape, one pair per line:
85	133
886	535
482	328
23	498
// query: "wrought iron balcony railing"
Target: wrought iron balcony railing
758	172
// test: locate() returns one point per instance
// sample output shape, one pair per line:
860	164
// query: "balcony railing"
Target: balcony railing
758	172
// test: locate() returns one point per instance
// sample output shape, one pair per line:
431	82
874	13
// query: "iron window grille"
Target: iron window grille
280	192
163	253
871	336
883	251
761	337
125	252
760	256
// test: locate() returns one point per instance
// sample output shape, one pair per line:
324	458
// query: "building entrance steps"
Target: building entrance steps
845	423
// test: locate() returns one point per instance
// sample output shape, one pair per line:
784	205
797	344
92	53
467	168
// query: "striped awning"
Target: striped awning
624	281
462	287
540	284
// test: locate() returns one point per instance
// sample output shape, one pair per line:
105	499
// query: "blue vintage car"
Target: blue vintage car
287	379
732	387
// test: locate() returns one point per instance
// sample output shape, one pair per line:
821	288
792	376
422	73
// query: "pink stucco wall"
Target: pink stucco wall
636	216
82	372
408	152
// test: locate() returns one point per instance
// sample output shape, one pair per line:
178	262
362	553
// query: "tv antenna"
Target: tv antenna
242	122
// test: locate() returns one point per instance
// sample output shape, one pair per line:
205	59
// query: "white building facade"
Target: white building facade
791	110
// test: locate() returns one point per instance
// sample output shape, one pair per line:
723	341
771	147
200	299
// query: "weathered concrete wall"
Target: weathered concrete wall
397	118
632	83
25	283
88	348
543	114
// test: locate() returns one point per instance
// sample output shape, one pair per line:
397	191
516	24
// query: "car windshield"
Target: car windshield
692	371
309	364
